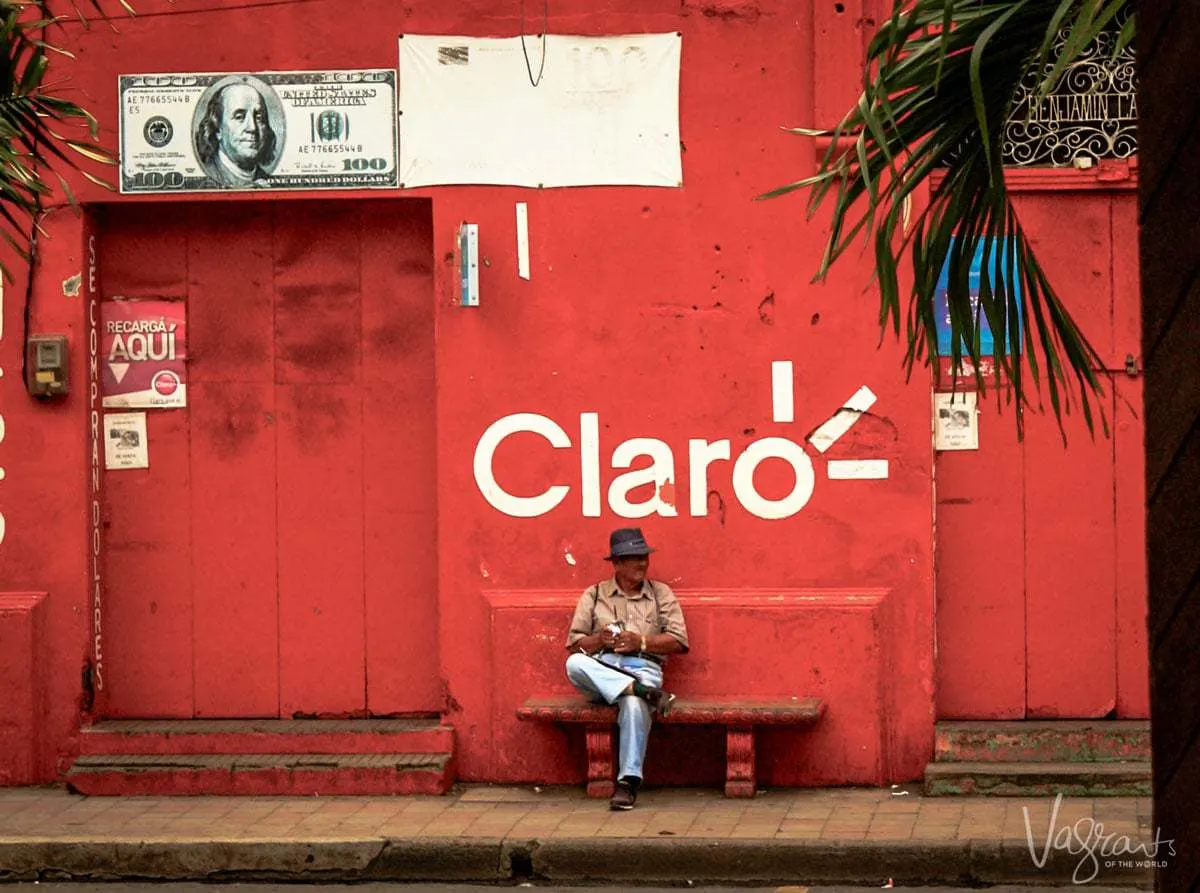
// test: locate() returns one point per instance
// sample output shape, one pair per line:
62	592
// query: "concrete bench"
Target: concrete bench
740	718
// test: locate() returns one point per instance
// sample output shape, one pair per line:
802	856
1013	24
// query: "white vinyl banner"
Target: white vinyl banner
604	113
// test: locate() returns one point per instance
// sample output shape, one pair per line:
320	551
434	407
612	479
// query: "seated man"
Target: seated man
621	634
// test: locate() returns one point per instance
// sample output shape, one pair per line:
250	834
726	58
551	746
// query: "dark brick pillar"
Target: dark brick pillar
1168	48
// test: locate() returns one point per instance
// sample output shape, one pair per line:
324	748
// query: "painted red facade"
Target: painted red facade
313	539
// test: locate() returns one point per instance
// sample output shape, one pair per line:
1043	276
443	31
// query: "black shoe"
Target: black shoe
659	700
624	796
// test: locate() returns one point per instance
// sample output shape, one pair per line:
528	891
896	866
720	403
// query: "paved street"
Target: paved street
488	811
483	833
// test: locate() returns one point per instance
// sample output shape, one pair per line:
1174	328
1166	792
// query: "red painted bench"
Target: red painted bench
740	717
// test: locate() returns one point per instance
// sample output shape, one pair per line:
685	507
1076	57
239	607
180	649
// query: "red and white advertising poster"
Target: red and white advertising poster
144	348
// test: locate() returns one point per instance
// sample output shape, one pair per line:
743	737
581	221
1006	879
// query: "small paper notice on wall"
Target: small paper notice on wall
125	440
956	421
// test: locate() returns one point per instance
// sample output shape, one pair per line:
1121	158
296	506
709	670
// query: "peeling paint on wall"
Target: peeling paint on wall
841	421
766	309
857	469
744	11
716	505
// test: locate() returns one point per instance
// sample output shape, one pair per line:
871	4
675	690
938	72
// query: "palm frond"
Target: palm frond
43	135
939	84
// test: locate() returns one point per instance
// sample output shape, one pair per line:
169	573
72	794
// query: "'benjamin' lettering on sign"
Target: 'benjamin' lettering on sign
661	471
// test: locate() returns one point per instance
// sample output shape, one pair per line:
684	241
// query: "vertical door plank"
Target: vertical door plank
1072	235
1069	513
232	397
144	251
400	456
1127	291
148	624
320	463
318	304
231	315
1133	658
1070	572
322	641
980	556
233	551
148	615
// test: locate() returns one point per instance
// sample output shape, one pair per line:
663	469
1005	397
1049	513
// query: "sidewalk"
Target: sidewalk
557	835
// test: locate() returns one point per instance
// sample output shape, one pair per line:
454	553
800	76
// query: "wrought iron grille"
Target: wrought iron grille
1092	112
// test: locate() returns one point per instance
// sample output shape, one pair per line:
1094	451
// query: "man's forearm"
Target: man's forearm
588	644
630	643
665	643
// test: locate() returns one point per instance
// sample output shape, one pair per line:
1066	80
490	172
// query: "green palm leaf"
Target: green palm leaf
939	85
42	134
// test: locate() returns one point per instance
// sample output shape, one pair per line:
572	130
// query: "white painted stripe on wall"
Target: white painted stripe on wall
857	469
522	240
843	420
783	400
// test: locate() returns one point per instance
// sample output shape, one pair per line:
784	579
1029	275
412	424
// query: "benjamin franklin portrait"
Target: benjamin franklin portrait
238	131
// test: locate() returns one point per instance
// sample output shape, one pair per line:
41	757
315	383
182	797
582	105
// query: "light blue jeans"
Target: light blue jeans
594	677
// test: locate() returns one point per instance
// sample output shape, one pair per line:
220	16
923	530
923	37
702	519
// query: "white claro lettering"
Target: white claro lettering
660	472
485	451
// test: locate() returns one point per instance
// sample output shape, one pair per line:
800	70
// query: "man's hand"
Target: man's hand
627	643
591	644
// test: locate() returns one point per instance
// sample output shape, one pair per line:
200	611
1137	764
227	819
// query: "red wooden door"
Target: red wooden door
277	557
1041	589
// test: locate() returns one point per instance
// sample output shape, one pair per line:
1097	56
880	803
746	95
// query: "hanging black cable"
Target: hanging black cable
525	52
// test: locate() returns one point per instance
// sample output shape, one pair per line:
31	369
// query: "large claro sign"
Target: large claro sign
701	454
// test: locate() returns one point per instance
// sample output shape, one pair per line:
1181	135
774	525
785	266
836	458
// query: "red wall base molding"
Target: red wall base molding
22	695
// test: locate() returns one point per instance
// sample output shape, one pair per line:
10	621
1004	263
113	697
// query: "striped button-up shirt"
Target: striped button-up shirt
649	612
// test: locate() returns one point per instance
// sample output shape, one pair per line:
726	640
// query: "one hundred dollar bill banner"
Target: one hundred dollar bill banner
267	130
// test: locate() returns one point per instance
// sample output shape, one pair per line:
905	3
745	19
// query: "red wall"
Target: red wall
659	310
46	489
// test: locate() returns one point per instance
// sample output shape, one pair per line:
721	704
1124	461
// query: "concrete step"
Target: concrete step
1038	779
1058	741
266	736
262	774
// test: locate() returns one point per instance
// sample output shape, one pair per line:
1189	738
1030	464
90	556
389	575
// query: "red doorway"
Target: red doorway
1040	549
277	559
